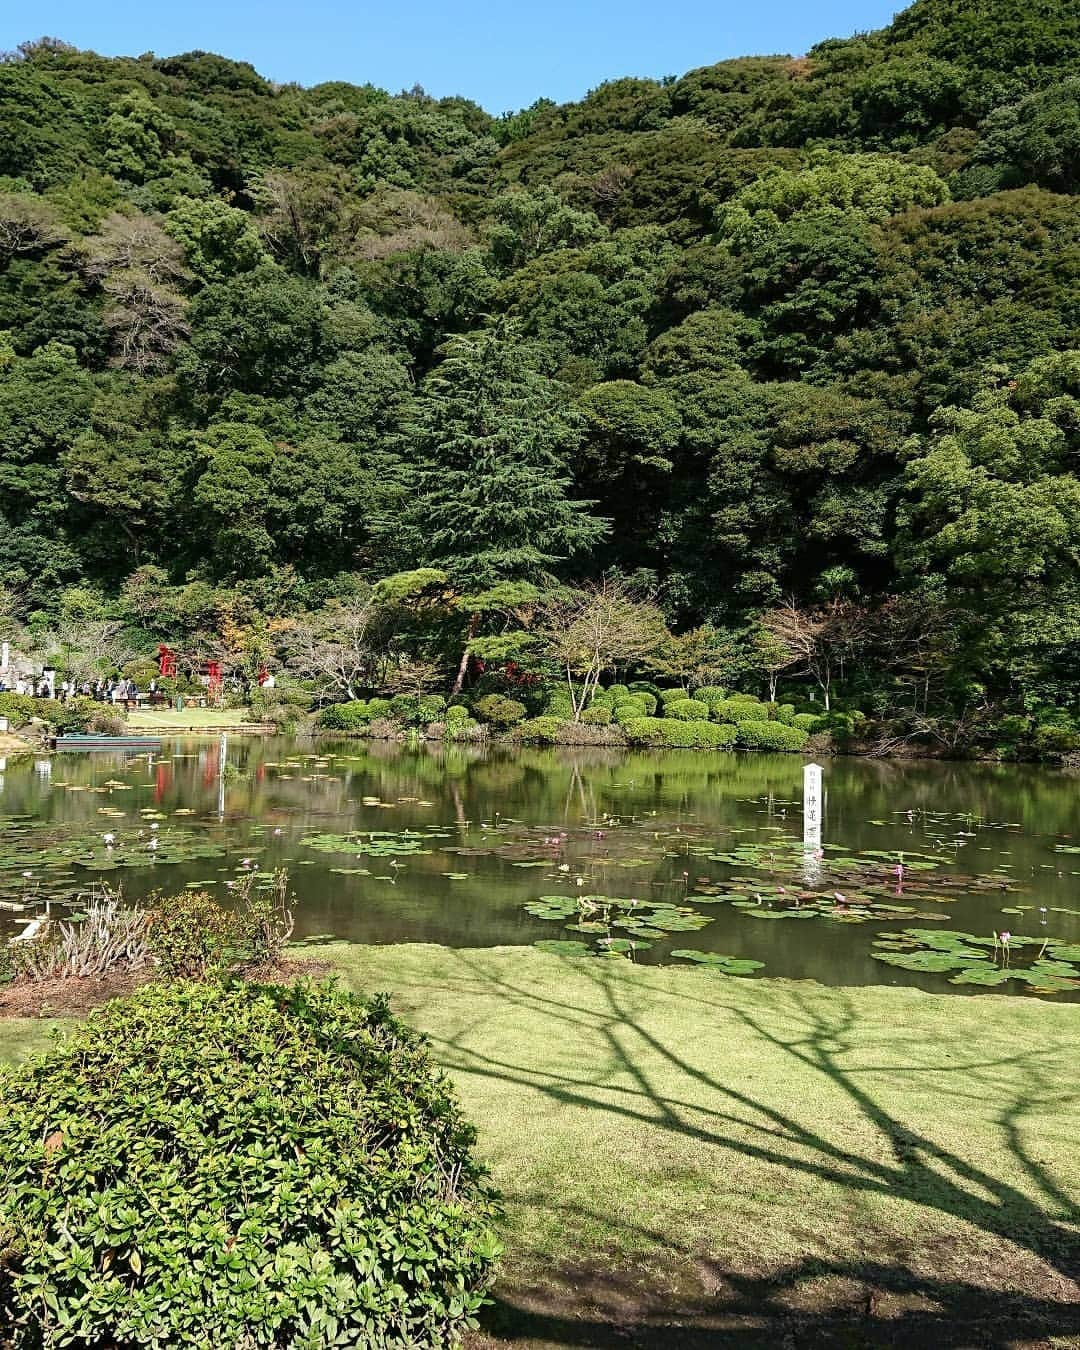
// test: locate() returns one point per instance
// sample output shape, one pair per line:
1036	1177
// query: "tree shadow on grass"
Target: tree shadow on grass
883	1307
822	1037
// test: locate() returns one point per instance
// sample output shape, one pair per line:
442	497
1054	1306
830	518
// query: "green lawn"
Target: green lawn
757	1146
677	1146
19	1036
198	719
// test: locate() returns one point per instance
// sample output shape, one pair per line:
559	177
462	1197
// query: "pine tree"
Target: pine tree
490	441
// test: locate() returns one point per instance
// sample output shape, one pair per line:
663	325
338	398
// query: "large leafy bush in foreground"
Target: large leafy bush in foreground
239	1165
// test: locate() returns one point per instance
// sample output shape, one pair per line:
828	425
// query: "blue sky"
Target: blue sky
503	55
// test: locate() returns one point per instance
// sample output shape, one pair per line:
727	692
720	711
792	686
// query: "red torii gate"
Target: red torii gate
167	667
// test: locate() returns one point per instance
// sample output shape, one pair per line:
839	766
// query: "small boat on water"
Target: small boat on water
91	742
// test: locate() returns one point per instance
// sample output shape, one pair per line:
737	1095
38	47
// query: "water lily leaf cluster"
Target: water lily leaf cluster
1045	964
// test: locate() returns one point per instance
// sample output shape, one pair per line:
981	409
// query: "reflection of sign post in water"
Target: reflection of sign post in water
812	822
221	777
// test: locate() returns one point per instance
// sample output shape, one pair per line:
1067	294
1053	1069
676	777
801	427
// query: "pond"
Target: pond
665	857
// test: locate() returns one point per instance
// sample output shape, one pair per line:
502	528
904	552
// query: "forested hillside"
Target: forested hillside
785	336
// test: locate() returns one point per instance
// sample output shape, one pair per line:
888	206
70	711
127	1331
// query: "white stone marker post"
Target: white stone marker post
811	801
812	823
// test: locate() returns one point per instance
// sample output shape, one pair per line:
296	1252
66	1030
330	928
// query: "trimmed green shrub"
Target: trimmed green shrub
355	716
467	730
500	711
267	703
670	733
785	713
417	711
104	722
603	698
73	716
542	729
738	710
811	723
225	1165
711	694
294	696
19	708
687	710
78	713
558	704
597	715
1052	741
637	705
647	687
190	935
456	713
770	736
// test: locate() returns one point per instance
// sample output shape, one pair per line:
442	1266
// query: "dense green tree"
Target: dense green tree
840	187
258	332
45	400
490	442
524	225
1036	140
218	239
263	502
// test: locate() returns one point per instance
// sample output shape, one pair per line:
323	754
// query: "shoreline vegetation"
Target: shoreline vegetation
682	1154
36	740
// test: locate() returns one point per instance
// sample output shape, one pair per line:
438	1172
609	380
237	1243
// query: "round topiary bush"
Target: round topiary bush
499	711
417	710
558	704
598	715
457	712
637	705
355	716
810	722
770	736
738	710
541	729
711	694
687	710
672	734
239	1165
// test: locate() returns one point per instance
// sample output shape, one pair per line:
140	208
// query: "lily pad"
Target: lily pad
561	947
727	965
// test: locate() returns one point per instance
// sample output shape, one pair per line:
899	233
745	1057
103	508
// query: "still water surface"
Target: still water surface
449	845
